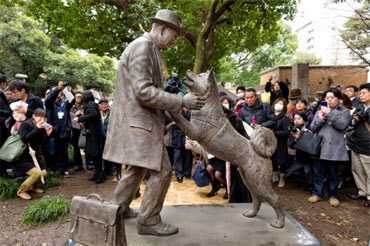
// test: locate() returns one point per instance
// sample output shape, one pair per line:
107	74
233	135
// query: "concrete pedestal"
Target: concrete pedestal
212	225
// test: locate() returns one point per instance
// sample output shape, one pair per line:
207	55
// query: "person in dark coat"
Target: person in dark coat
58	115
281	132
279	89
22	93
76	131
238	191
182	158
359	143
255	112
91	120
351	91
32	133
5	113
301	168
105	115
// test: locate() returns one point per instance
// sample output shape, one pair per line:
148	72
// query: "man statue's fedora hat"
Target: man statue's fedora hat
169	18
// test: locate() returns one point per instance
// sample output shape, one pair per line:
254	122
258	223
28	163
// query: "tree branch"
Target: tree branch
353	49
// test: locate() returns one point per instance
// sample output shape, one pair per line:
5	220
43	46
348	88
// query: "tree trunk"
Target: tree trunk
205	42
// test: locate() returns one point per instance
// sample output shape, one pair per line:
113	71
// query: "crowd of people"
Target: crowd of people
49	126
52	124
137	125
339	116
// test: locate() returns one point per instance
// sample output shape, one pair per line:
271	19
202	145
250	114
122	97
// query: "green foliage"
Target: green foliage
46	210
8	188
28	49
244	68
356	35
22	43
106	27
51	180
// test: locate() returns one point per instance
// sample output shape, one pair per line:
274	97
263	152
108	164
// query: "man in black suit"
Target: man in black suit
351	92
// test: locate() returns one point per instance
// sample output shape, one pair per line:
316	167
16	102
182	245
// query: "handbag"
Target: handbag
96	222
12	149
200	174
82	138
309	142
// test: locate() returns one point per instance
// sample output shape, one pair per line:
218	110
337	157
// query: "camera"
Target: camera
361	115
65	83
294	128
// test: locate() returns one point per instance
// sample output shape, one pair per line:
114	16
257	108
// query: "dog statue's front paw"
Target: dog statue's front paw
277	223
249	213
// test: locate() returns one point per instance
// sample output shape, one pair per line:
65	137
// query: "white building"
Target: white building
317	25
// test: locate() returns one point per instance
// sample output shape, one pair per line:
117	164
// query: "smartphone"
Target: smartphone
324	104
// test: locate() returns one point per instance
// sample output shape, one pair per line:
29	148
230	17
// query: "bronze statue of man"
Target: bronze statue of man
137	124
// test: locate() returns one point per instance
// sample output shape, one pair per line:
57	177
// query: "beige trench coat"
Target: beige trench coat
136	128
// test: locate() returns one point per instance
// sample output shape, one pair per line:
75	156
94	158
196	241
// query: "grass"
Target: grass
51	180
45	210
8	188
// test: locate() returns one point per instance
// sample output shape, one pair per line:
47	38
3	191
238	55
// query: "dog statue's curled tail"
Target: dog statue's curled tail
210	128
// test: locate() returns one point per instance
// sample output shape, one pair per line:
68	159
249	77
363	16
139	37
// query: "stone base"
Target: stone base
206	225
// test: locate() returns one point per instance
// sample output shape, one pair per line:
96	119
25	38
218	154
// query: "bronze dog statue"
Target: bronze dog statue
215	134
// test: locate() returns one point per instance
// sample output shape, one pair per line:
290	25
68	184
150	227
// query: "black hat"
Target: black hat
103	100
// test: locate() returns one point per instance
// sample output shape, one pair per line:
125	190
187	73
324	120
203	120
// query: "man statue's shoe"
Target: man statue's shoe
130	213
160	229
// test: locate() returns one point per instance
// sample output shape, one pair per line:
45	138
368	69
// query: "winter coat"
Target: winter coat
72	113
92	123
33	136
58	115
332	129
281	132
236	122
34	102
5	113
262	112
283	93
105	124
137	121
359	140
356	102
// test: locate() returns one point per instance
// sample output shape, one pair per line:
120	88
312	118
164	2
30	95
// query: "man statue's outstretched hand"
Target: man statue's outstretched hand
191	101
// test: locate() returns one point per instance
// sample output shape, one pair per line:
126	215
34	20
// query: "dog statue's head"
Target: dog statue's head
201	84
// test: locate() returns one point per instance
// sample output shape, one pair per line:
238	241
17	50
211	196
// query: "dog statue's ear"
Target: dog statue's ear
189	81
211	77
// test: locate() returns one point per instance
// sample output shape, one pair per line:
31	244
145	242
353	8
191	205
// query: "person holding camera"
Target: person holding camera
358	140
330	122
58	115
301	168
279	89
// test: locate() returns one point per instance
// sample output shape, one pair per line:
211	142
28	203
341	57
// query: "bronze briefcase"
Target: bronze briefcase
96	222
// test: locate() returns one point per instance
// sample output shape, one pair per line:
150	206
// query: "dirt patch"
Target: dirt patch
348	224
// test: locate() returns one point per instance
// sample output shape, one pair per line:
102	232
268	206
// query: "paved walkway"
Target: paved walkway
186	193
